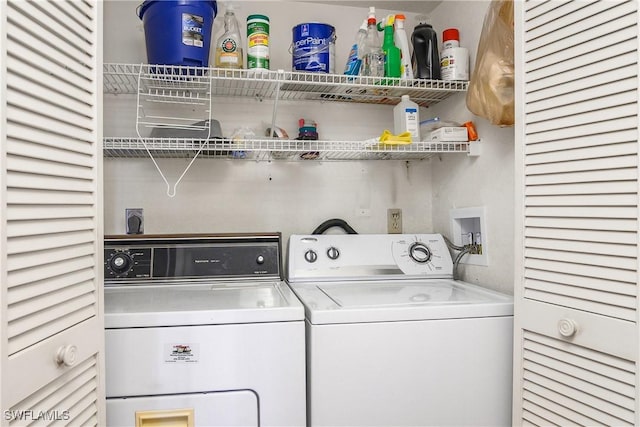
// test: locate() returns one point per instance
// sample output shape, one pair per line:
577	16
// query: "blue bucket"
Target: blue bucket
313	47
178	32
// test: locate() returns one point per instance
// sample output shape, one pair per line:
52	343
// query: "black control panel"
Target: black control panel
191	258
127	263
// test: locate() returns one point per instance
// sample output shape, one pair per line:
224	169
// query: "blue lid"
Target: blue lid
145	5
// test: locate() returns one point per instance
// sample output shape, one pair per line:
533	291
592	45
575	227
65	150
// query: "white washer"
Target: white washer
393	340
202	329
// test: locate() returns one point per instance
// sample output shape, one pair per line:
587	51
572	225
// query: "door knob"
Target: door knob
67	355
567	327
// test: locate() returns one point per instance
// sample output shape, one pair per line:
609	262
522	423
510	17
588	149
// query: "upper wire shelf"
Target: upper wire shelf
191	82
277	149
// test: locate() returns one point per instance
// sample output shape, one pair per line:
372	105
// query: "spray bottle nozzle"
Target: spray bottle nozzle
388	20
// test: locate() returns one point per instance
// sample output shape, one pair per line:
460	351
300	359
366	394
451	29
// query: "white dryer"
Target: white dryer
393	340
202	331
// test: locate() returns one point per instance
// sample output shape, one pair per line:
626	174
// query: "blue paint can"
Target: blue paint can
313	47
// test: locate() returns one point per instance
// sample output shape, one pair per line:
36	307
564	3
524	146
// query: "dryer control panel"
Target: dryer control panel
368	256
180	257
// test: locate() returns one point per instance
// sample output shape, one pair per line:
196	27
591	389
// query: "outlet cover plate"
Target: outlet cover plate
394	221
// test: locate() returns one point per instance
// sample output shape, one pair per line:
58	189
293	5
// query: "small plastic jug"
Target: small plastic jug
425	58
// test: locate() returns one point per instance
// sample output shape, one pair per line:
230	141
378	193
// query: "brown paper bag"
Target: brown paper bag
491	88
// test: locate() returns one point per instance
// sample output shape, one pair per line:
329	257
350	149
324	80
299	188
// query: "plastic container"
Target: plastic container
178	32
313	47
425	58
454	60
406	118
373	57
354	61
392	53
258	42
229	44
402	41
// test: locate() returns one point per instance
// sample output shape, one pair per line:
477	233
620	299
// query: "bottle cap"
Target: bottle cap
400	16
450	34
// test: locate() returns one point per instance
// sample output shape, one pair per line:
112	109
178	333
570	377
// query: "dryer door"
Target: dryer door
217	409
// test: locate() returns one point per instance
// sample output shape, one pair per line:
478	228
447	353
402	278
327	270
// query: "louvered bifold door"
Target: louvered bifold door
52	328
577	201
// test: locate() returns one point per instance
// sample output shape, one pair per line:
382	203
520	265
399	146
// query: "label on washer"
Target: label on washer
181	353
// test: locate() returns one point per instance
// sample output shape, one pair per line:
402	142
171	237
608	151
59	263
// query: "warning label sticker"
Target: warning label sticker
181	353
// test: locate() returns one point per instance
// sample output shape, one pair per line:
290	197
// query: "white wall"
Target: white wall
291	197
487	180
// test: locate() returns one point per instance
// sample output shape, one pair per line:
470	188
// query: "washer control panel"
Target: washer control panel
367	256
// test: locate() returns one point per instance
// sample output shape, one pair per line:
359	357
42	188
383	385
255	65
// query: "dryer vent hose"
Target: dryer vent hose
335	222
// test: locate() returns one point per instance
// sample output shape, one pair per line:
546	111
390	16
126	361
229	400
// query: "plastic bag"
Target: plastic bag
491	89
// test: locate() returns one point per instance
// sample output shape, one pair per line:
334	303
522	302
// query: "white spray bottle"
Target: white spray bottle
401	40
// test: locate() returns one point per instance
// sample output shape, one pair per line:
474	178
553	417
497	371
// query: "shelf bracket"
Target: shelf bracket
279	79
475	148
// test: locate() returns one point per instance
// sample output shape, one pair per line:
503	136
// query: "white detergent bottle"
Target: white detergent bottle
406	118
402	41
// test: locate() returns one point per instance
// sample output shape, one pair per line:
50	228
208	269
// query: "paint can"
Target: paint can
313	47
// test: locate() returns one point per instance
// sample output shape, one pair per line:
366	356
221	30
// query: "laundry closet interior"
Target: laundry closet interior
245	195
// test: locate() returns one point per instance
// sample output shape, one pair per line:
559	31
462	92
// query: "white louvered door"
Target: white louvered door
576	292
51	321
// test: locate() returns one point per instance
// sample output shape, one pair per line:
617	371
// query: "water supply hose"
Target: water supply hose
335	222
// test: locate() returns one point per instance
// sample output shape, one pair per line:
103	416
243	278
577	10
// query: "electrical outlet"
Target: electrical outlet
134	221
394	221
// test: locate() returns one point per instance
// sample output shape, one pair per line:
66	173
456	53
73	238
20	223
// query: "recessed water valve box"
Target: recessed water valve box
468	228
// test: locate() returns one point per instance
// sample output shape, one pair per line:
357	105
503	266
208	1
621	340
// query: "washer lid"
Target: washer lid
202	304
381	301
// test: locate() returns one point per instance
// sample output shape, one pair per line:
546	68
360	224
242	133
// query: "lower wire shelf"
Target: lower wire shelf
276	149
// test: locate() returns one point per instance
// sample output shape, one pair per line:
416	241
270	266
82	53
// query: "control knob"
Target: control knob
333	253
420	253
121	263
310	256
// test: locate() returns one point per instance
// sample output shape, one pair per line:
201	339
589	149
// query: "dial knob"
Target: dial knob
121	262
260	259
420	253
310	256
333	253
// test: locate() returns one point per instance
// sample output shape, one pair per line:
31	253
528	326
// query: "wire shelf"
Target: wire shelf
192	82
276	149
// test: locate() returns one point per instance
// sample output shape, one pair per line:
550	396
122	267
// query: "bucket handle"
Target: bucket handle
332	39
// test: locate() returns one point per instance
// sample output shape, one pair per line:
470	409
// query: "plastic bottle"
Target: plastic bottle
354	61
401	41
373	57
406	118
425	58
229	44
454	60
392	54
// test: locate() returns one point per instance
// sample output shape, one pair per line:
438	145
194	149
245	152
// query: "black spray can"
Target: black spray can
425	58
